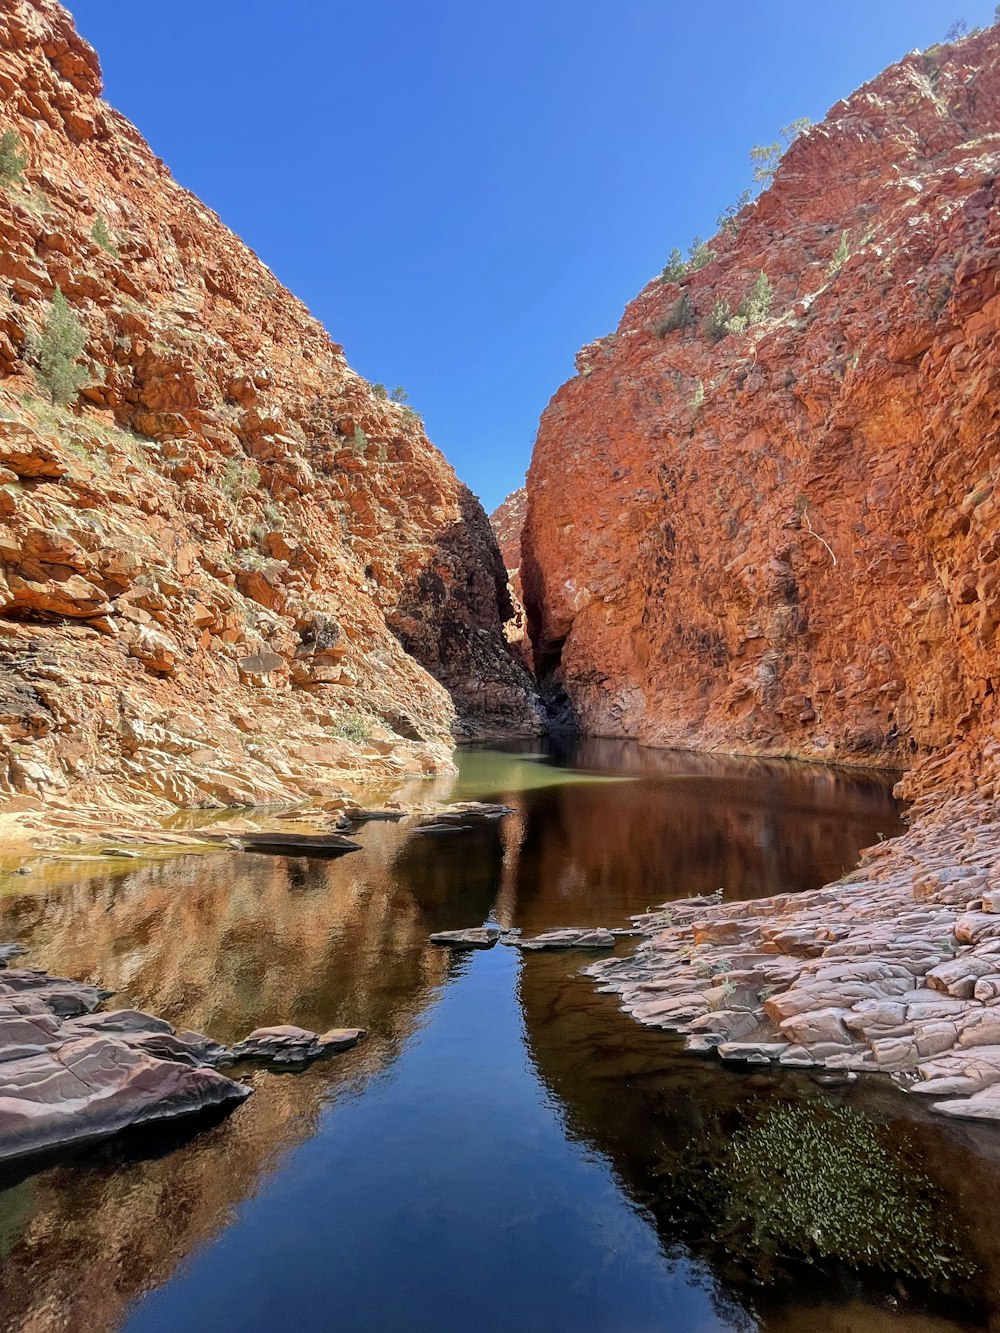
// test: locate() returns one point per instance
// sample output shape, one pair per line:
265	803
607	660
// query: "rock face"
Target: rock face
507	523
232	567
784	539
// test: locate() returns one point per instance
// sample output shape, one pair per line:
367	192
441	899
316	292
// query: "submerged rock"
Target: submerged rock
478	937
570	937
288	844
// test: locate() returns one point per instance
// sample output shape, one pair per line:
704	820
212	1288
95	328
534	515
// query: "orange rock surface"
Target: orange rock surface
786	540
231	572
507	522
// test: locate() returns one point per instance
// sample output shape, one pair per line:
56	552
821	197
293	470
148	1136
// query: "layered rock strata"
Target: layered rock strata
232	570
762	518
775	531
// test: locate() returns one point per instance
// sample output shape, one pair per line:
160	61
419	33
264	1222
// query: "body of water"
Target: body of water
505	1151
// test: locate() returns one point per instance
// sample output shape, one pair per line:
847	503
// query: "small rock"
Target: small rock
572	937
477	937
289	1045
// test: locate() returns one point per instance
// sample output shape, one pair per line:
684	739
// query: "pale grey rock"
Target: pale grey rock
983	1105
570	937
94	1086
286	1044
754	1051
63	997
477	937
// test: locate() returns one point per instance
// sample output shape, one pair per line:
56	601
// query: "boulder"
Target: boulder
94	1086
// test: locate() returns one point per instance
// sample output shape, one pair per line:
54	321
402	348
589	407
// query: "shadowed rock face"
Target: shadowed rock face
507	523
784	540
231	542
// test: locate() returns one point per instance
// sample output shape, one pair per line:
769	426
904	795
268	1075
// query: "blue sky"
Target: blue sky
464	193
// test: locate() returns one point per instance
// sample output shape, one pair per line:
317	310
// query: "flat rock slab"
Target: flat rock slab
288	844
118	1021
572	937
94	1086
478	937
982	1105
289	1045
69	1075
65	998
752	1052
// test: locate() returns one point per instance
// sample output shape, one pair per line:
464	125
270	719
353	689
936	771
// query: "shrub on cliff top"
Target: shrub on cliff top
399	395
677	267
727	219
58	350
12	160
766	157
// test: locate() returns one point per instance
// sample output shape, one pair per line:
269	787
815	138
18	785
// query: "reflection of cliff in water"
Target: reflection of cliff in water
692	824
222	943
225	943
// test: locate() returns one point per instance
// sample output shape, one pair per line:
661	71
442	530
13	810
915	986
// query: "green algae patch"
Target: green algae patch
823	1182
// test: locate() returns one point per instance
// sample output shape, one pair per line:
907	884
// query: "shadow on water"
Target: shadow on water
506	1151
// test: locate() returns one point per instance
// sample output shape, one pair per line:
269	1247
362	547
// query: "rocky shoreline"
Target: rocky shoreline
70	1075
894	969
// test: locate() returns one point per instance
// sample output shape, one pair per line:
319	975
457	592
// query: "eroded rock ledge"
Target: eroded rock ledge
894	969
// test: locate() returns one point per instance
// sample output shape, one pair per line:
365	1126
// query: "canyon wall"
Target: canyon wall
232	569
782	537
507	522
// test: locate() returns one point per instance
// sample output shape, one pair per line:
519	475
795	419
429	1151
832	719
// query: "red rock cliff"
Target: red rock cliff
786	540
231	564
507	522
